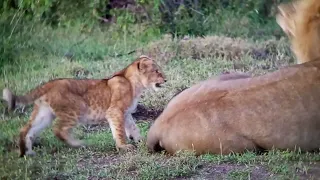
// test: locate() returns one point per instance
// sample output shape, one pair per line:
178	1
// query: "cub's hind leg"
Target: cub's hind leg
40	119
63	129
69	109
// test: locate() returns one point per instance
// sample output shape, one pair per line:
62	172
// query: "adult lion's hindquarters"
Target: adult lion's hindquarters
279	109
153	142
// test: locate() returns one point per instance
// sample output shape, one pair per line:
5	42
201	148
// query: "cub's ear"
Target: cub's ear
144	56
142	66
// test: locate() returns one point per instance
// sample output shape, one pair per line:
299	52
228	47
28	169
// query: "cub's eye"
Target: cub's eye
157	71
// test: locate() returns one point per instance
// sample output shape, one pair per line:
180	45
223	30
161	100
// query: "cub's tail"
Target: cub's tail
8	96
13	100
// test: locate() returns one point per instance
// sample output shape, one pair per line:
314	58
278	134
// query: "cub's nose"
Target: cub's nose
165	80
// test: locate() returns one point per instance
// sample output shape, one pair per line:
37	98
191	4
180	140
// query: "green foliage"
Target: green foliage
192	17
53	11
188	17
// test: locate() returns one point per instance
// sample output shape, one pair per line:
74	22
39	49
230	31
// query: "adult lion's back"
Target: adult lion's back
279	109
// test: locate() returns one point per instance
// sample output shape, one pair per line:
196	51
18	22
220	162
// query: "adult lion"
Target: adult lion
277	110
300	21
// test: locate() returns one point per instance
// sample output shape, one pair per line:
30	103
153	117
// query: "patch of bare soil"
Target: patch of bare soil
214	47
257	172
98	160
312	172
146	113
222	171
205	171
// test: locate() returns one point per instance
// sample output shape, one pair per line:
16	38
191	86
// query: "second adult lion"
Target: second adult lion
277	110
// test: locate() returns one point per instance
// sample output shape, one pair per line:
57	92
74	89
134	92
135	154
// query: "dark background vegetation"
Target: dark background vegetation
176	17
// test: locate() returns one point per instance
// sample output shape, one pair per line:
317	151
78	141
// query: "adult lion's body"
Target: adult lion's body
88	101
279	109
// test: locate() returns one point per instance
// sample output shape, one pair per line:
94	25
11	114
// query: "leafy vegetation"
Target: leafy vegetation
46	39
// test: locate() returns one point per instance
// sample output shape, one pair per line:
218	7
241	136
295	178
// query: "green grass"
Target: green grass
41	57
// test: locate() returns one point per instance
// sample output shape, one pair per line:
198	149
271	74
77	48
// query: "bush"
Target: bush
178	17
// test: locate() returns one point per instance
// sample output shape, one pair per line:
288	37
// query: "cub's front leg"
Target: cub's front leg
115	117
132	131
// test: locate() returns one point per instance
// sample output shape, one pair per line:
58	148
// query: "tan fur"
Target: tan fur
92	101
300	20
277	110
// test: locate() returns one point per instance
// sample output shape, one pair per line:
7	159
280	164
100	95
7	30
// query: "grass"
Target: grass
42	57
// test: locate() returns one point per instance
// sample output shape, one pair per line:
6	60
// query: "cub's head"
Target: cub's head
150	73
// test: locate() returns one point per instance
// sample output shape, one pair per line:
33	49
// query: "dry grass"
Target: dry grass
216	47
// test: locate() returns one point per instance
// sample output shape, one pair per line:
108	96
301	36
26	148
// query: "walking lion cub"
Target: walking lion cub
90	101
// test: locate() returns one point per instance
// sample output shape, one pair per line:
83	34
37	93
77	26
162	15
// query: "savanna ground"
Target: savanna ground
45	53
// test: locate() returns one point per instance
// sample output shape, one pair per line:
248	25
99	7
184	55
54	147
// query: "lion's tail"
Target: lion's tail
30	97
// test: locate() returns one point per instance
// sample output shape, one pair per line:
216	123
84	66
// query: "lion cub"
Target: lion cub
92	101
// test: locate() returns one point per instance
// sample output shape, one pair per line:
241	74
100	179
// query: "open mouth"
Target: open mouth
158	85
